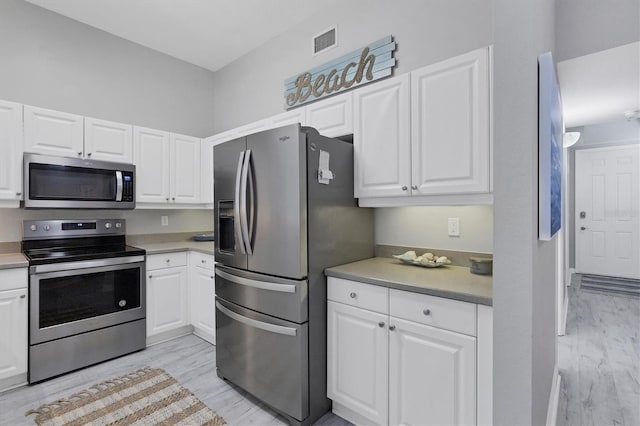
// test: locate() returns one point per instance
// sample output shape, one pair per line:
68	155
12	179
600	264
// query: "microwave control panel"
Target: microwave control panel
127	186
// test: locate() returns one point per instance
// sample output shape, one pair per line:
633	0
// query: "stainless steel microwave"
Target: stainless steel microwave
67	183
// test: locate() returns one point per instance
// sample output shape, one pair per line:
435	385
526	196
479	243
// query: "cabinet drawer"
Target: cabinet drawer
434	311
13	278
366	296
166	260
202	260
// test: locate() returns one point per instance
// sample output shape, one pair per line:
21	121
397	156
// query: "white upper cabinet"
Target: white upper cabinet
185	169
382	139
51	132
108	141
333	116
151	157
206	170
289	117
450	126
11	158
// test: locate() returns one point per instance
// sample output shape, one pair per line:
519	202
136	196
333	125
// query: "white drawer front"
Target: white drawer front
367	296
166	260
13	278
202	260
434	311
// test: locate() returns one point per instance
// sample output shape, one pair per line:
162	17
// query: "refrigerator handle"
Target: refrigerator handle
244	214
237	210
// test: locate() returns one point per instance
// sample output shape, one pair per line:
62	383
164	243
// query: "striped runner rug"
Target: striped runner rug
148	396
623	286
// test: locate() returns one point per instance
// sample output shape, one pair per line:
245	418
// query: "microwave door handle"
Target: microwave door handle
236	206
244	214
118	185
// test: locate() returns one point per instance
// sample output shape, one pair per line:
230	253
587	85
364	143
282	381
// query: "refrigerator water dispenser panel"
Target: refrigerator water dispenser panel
226	226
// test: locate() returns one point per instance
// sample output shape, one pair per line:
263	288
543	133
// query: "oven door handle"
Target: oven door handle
118	185
272	328
283	288
84	264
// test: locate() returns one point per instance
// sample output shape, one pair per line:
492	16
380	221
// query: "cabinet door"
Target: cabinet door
11	158
432	375
332	116
108	141
166	300
382	139
151	157
51	132
357	359
185	169
450	126
203	298
13	332
206	170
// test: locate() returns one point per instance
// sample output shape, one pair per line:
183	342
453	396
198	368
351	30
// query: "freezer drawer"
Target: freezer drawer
279	297
266	356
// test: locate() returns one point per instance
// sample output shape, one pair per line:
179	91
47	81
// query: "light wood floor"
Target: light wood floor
189	359
599	359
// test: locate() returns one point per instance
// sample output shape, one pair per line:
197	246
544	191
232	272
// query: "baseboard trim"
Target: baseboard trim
13	382
349	415
554	398
169	335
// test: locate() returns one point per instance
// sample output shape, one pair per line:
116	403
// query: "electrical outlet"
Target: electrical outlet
454	227
164	220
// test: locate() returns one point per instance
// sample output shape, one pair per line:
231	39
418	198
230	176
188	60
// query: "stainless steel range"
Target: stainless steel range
87	294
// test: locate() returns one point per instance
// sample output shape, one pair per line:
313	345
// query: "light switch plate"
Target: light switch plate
454	227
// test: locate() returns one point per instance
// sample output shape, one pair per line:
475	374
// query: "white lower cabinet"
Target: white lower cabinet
14	306
167	294
202	296
396	357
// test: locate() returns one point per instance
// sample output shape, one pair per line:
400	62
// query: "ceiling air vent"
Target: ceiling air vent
326	40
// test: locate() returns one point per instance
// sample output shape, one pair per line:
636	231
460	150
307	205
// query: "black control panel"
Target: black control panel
127	186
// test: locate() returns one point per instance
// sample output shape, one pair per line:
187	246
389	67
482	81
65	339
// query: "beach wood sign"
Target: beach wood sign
368	64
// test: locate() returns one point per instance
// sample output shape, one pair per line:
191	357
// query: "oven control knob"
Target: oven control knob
118	225
34	227
107	225
47	227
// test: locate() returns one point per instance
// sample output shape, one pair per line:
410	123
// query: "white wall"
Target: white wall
251	88
427	227
524	292
137	221
55	62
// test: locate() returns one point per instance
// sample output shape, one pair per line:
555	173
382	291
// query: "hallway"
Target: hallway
599	359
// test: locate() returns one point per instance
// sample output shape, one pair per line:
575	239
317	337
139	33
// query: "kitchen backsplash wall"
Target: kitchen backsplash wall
138	221
428	226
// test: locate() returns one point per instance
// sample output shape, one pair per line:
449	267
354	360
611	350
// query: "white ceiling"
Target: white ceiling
208	33
212	33
600	87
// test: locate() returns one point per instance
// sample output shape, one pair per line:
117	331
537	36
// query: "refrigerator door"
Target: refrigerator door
228	159
276	204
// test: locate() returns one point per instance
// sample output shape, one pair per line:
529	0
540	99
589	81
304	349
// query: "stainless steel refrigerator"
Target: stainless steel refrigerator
284	211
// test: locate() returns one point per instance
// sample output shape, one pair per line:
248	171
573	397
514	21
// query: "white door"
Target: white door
151	157
432	375
13	332
203	298
450	125
357	359
11	145
382	139
185	169
166	300
51	132
607	207
333	116
108	141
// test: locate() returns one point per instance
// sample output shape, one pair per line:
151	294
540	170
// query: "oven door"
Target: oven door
76	297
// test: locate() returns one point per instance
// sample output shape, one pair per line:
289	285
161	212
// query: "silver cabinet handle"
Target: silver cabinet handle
89	155
18	193
392	327
168	260
173	198
272	328
404	188
381	324
22	296
150	276
236	206
352	295
80	154
284	288
167	199
414	187
212	277
427	312
582	228
203	261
